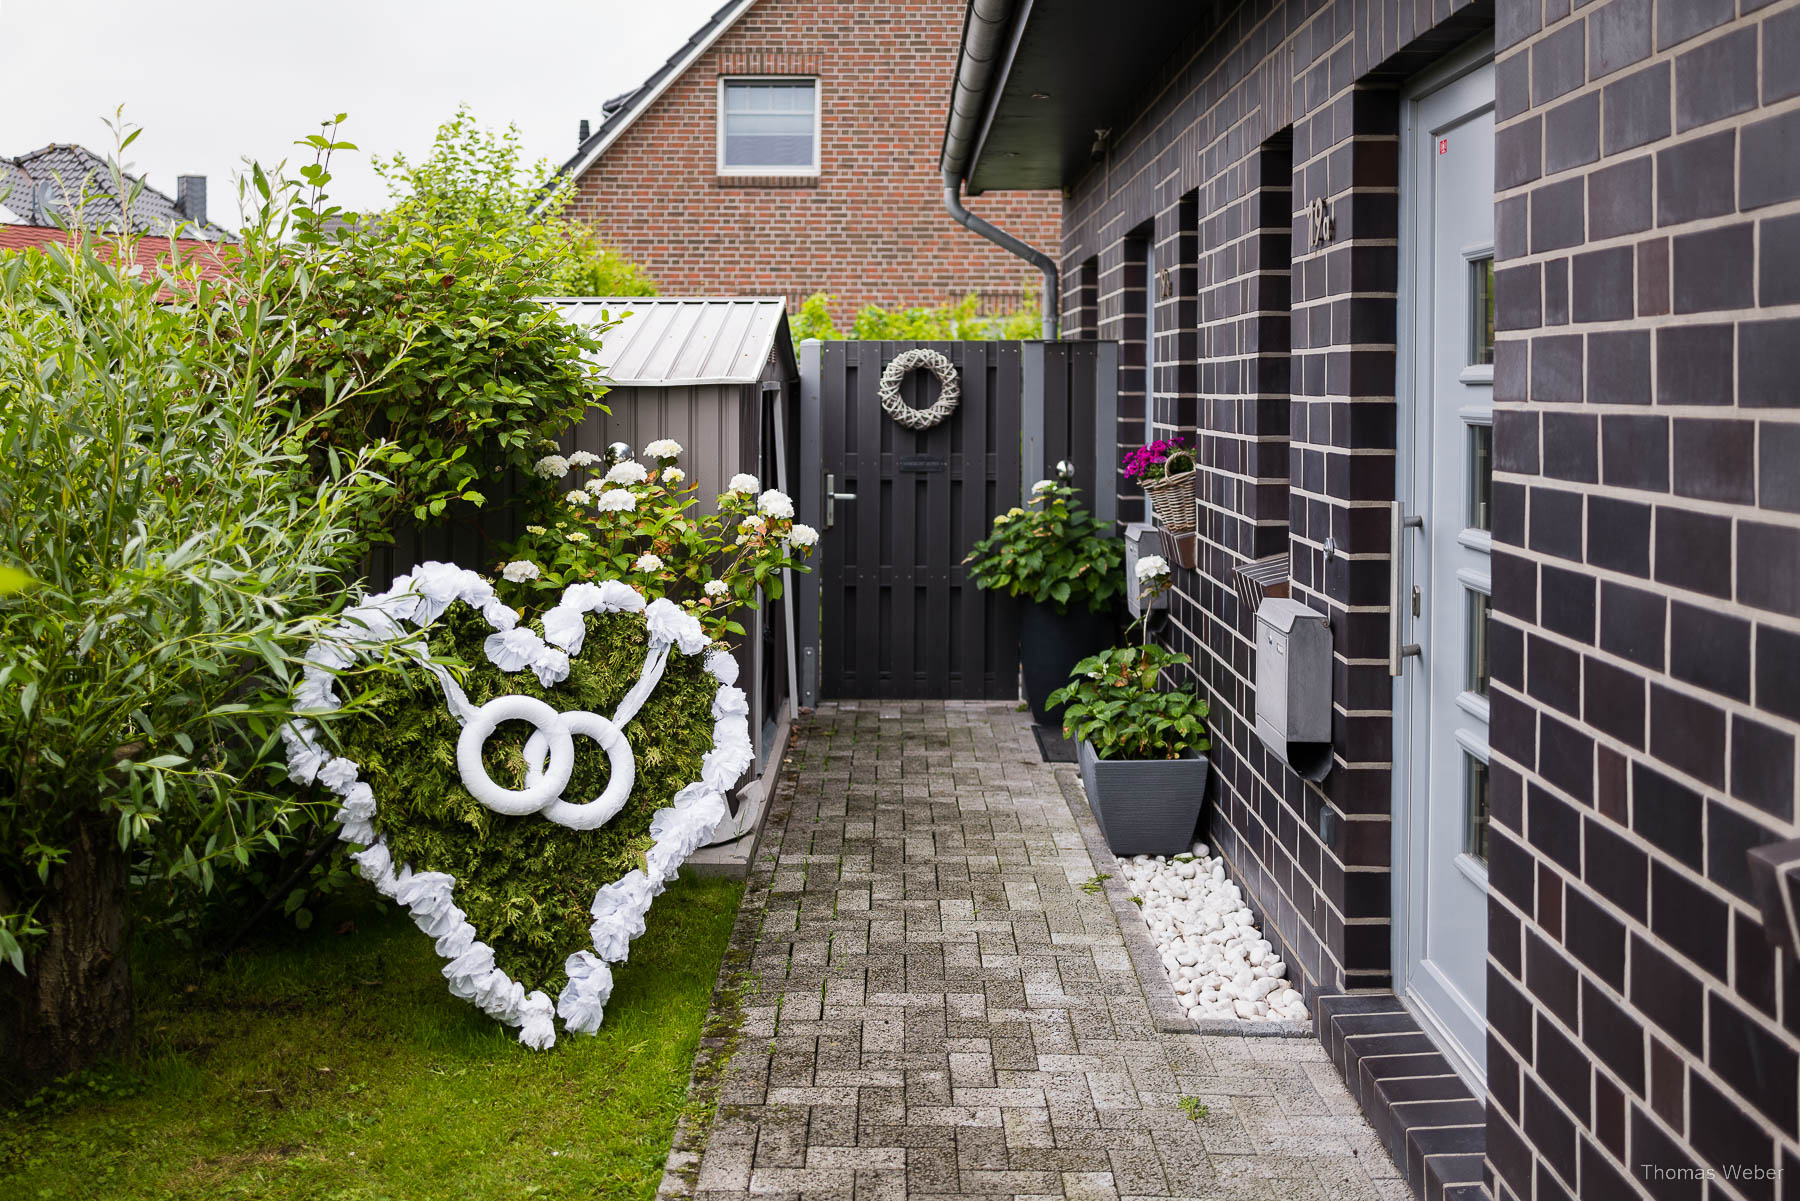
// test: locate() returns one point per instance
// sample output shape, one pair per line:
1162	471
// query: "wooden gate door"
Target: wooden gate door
899	510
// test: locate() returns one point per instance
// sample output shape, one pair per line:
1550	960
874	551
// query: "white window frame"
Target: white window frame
818	131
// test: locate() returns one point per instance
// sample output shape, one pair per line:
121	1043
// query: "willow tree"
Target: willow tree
179	548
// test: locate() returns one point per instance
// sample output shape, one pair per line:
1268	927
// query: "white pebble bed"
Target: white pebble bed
1220	964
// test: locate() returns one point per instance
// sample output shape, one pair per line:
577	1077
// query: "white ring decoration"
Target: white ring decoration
419	599
589	815
907	360
536	794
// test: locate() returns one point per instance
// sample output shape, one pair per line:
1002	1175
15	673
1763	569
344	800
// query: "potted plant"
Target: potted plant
1165	470
1141	748
1051	554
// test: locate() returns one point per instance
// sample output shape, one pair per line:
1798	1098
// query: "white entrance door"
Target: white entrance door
1444	477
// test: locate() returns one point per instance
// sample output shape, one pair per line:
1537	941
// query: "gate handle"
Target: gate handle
832	496
1396	549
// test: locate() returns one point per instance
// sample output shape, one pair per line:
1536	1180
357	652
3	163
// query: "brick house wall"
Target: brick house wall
871	227
1646	639
1647	595
1280	359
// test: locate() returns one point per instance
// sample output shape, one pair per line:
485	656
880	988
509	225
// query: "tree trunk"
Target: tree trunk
72	1008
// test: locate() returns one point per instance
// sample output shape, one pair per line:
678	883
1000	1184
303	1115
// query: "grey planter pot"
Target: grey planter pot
1145	806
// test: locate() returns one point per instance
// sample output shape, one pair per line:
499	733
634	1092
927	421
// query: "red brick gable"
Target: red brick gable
871	227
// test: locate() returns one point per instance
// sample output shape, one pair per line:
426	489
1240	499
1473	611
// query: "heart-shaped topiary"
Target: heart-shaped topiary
481	824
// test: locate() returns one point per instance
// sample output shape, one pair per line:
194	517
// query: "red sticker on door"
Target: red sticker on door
1443	145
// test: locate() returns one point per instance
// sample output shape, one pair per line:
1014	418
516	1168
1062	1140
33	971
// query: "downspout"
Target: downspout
1004	240
980	72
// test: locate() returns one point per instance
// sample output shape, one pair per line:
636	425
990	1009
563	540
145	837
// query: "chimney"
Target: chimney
190	197
582	141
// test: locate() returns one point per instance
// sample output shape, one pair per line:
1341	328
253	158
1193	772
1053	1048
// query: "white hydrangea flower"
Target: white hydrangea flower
617	500
717	588
1041	487
647	562
664	448
520	570
803	535
577	497
552	467
583	458
1151	567
628	471
742	482
755	523
673	475
538	529
776	504
576	536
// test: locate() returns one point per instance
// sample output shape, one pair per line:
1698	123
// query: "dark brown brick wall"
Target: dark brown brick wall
1647	595
871	228
1277	356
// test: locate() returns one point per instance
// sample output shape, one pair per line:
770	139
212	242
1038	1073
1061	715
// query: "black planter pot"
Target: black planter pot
1145	806
1051	644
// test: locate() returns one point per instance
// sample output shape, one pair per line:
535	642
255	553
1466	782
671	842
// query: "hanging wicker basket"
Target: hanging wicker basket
1172	496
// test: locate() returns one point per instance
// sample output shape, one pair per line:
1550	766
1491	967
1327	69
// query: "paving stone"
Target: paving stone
935	1009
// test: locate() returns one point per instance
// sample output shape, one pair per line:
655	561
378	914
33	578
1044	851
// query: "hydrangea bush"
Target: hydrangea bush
1051	551
633	521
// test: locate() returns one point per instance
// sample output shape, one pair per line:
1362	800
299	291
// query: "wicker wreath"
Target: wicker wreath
949	394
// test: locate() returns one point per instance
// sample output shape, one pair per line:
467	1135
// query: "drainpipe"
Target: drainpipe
981	69
1004	240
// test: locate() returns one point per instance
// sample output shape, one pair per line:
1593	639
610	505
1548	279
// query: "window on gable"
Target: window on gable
769	126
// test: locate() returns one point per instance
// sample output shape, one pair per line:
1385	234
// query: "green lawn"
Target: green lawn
337	1066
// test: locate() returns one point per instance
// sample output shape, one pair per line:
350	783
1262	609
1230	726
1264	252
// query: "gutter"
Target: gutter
981	69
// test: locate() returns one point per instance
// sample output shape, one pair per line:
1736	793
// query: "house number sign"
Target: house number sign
1321	225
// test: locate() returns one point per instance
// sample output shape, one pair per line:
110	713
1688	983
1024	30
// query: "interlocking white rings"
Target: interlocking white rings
544	782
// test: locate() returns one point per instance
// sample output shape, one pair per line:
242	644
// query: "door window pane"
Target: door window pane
1481	477
1476	681
1475	798
769	124
1481	310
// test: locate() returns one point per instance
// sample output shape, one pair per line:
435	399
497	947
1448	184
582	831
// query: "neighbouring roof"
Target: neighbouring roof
617	114
148	252
75	174
665	341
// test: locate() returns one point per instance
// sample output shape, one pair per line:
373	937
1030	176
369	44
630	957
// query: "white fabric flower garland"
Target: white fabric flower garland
418	600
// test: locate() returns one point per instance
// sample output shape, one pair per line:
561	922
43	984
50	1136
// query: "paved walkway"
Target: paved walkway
936	1009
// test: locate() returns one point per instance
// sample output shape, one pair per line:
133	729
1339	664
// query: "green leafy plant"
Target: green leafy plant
182	549
1052	551
636	524
1094	884
1114	702
1192	1108
961	321
421	326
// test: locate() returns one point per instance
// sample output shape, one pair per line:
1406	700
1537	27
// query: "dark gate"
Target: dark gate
890	609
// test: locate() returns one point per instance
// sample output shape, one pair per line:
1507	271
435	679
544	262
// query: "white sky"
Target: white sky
214	81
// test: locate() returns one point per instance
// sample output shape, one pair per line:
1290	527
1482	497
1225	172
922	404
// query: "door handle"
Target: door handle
832	496
1397	651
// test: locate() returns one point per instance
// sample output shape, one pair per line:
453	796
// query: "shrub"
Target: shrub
634	523
944	323
1052	552
428	312
181	547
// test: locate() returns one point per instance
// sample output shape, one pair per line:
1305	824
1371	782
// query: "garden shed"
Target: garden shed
720	377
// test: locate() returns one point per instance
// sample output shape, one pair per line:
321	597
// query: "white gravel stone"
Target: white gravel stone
1218	963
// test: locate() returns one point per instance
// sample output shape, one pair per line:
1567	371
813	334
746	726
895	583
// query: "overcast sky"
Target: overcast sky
214	81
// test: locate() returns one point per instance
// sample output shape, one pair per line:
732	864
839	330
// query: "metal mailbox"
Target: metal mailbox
1293	685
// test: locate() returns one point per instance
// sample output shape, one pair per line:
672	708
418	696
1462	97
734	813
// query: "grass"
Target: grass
337	1067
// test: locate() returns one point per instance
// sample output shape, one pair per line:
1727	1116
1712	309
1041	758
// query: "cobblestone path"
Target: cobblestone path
936	1009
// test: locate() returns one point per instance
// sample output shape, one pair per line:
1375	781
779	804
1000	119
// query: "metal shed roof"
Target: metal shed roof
671	341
